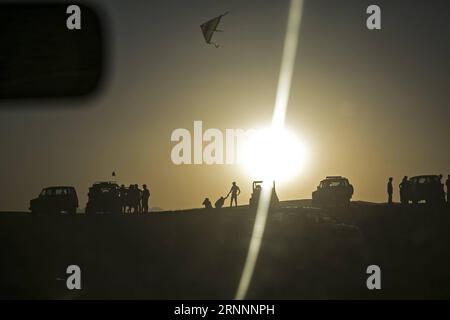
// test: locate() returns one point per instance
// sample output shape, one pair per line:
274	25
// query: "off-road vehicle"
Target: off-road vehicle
103	197
334	190
428	188
56	199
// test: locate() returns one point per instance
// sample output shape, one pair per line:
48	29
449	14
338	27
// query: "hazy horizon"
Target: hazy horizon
367	104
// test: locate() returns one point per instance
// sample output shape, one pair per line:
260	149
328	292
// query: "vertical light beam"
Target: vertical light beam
287	63
279	114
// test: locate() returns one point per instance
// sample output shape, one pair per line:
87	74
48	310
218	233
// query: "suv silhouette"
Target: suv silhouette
103	197
334	190
55	200
428	188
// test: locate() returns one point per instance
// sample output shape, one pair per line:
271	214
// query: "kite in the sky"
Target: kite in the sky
209	27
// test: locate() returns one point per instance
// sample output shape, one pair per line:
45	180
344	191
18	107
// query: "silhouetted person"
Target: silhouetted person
129	198
447	184
219	203
390	190
234	191
207	203
123	198
145	197
404	190
137	199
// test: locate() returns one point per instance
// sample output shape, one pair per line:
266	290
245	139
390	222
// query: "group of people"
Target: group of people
405	186
235	191
133	199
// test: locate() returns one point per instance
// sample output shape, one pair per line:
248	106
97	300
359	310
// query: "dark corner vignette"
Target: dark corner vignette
50	51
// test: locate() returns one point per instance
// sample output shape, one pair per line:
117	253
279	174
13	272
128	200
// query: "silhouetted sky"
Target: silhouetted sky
369	104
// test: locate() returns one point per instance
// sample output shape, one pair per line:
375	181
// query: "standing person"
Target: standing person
145	197
234	191
404	190
134	198
123	198
390	190
137	198
447	184
130	195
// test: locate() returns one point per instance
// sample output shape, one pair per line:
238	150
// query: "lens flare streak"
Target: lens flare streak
279	114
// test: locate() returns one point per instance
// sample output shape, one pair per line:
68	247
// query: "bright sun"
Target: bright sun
273	154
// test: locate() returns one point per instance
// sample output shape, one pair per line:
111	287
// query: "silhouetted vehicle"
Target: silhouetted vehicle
55	200
334	190
103	197
256	193
426	188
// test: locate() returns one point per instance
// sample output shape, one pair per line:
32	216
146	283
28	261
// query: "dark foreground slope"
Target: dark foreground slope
306	253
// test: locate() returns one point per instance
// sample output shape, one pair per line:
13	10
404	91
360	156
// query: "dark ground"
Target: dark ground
306	253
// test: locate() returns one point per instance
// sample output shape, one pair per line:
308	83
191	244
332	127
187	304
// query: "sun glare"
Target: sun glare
273	154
